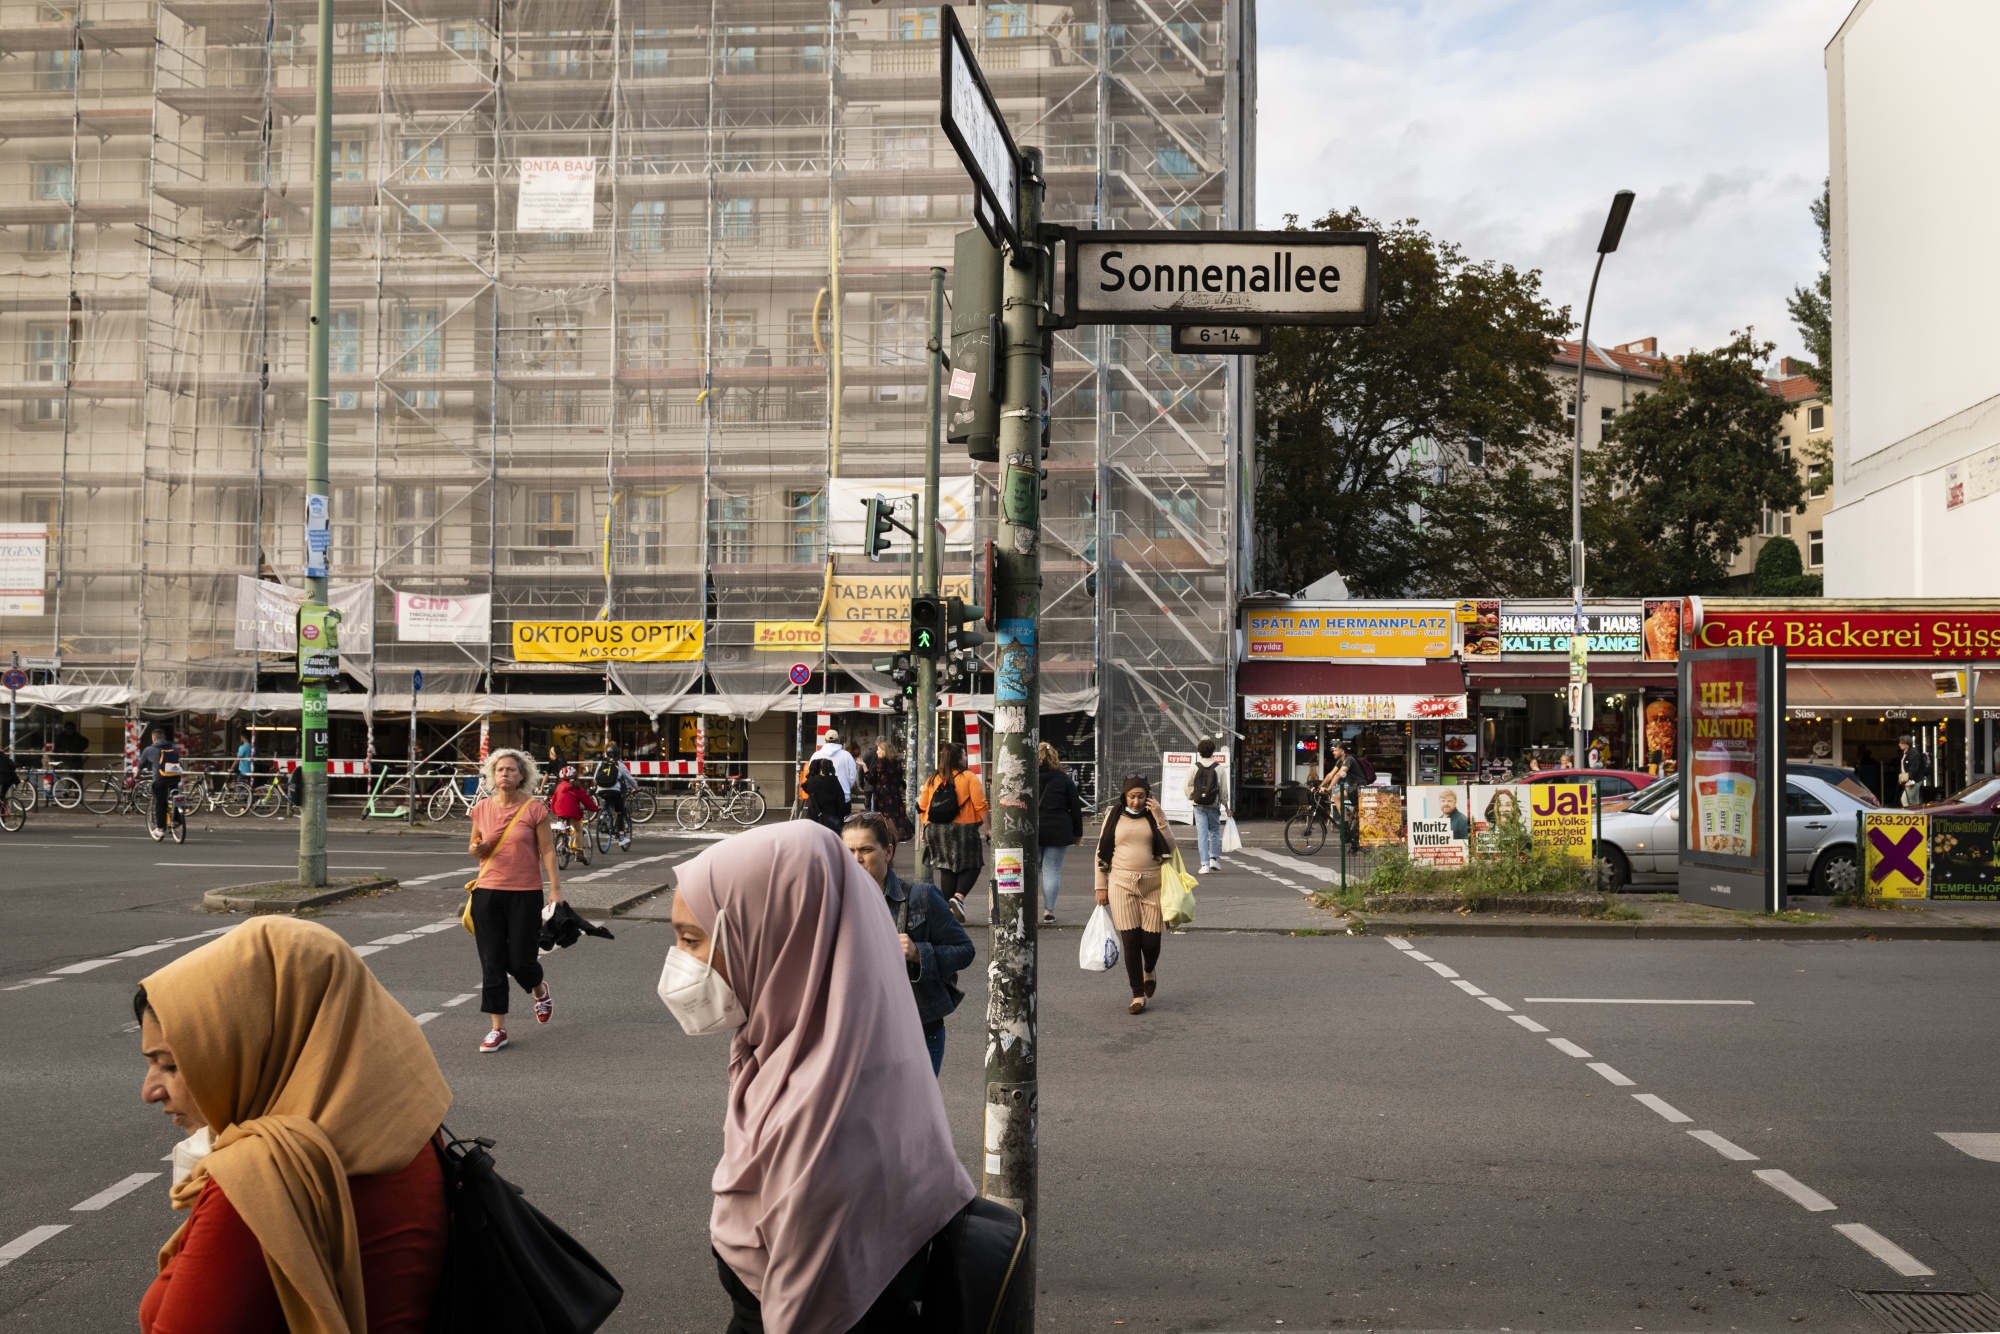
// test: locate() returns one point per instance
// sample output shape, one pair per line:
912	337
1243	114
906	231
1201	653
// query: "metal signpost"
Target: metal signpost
416	688
799	675
1732	797
13	680
318	533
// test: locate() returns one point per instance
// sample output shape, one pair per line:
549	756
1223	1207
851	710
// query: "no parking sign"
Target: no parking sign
801	673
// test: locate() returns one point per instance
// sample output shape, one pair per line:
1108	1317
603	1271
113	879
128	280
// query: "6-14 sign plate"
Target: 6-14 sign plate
1231	340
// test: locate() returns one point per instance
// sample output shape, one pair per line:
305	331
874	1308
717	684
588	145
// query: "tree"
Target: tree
1812	307
1780	572
1686	474
1416	456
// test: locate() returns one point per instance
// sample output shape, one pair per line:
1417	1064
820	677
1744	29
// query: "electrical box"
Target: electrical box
972	390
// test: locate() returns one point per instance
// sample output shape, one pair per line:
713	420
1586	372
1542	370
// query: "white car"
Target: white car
1644	838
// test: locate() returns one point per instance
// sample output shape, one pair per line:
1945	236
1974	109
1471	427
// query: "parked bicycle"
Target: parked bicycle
50	787
273	797
14	810
115	794
455	797
708	799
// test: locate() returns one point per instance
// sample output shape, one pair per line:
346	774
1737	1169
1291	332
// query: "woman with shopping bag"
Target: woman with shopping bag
1131	848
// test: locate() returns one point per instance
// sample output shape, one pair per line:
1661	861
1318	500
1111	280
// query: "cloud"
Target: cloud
1506	125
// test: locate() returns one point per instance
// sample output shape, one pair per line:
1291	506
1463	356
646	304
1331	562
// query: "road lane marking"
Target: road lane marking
400	938
1291	864
100	847
1879	1246
1498	1004
1411	952
30	1239
265	866
143	950
1527	1023
1568	1048
31	982
463	873
435	927
1732	1152
1620	1000
363	951
1467	987
1613	1076
1663	1107
86	966
621	866
1304	891
1978	1144
113	1193
460	999
1399	942
1441	969
426	1017
1794	1189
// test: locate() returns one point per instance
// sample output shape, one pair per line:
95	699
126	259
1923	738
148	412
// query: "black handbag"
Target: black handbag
977	1280
507	1268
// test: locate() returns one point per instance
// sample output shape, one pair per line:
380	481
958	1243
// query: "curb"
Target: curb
636	897
1678	931
286	897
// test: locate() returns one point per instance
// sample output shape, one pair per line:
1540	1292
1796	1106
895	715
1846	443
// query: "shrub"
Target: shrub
1515	866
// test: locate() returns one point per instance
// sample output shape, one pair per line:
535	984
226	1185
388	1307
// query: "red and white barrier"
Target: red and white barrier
972	747
664	768
334	768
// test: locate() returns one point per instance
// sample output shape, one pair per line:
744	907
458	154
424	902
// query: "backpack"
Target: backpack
507	1268
1206	784
944	801
1366	770
608	777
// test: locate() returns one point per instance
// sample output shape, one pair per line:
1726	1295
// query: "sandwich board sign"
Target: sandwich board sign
1221	278
972	121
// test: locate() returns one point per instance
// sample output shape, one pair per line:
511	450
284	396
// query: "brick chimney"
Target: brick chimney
1644	347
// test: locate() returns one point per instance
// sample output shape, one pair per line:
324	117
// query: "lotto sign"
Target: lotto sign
607	641
1895	854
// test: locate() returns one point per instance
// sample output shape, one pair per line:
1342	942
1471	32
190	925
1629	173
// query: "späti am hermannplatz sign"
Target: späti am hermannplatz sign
1238	278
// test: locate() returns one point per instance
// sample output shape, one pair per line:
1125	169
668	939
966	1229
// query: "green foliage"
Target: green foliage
1365	435
1780	572
1812	307
1686	474
1515	866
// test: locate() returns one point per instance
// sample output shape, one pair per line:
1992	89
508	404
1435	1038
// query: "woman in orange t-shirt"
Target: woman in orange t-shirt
516	850
953	846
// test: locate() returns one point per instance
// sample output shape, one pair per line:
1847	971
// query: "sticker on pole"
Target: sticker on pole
963	382
1007	870
800	673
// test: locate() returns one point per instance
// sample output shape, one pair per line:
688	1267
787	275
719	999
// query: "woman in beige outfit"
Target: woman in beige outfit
1133	844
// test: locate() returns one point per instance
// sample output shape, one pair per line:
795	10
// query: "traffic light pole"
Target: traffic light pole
1012	1045
923	755
312	693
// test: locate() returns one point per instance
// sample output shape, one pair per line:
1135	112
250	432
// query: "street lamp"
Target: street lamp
1579	672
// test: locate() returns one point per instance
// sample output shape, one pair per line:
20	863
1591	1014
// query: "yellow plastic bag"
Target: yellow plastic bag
1176	893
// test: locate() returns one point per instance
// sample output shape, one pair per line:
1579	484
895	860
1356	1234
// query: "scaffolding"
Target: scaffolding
644	420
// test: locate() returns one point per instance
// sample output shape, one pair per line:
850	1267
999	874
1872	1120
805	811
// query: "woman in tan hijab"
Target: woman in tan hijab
319	1208
837	1165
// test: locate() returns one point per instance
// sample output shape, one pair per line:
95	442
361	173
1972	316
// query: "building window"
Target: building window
54	181
738	59
735	337
1815	549
646	344
729	530
1785	524
1604	416
1184	217
415	511
918	25
1475	449
1770	527
808	520
48	363
646	232
1815	419
1174	163
1816	479
902	326
566	60
558	345
375	39
650	54
1007	20
56	71
1169	507
736	219
344	355
423	160
552	517
350	163
466	38
419	351
641	540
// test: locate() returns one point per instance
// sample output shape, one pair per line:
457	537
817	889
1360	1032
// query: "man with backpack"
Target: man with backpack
1203	789
1347	773
161	762
614	780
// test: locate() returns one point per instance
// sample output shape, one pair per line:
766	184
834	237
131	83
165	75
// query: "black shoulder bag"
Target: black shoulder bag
507	1268
976	1280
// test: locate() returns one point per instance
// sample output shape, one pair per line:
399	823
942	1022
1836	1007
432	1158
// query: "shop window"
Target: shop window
1815	549
552	516
1815	419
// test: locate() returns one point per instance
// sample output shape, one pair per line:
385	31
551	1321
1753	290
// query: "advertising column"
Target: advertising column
1732	840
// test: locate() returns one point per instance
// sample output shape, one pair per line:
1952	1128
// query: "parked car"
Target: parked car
1981	797
1644	838
1615	787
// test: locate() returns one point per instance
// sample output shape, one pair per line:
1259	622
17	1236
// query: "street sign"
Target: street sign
1169	277
1235	340
801	673
14	679
972	121
416	682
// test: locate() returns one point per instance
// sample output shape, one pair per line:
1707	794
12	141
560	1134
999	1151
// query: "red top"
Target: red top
516	863
570	801
217	1282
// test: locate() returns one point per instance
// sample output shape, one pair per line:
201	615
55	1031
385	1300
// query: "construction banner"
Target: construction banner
607	641
1895	854
873	611
788	637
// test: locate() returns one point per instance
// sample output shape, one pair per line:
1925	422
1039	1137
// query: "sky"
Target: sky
1506	126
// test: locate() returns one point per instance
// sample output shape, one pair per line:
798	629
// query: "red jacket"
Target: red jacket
217	1283
570	801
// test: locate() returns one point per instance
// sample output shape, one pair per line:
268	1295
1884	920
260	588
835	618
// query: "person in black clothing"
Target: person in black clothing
826	799
1061	823
1913	770
71	746
161	762
935	947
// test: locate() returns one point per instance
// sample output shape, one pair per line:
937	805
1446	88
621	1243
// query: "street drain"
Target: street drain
1933	1312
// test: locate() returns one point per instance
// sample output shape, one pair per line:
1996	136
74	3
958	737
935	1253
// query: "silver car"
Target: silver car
1644	838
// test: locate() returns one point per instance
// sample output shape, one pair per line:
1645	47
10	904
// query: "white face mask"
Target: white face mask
696	993
189	1152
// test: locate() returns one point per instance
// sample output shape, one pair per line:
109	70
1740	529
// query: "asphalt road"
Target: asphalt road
1319	1132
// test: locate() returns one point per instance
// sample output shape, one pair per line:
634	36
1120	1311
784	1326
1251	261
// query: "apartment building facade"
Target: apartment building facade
649	419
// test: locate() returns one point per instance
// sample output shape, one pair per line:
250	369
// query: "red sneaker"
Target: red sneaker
545	1005
494	1041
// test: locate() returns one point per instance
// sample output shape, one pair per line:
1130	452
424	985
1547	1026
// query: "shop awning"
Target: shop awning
1350	692
1872	689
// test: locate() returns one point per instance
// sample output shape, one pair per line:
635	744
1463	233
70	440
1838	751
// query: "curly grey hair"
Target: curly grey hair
531	773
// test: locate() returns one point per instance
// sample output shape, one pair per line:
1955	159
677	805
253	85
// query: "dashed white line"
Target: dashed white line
31	982
1794	1189
426	1017
1613	1076
463	873
1411	952
1734	1153
1467	987
1983	1146
1600	1000
434	927
460	999
1888	1252
86	966
1293	885
28	1240
363	951
617	869
400	938
1497	1004
1663	1107
1399	942
1527	1023
117	1192
1442	970
1568	1048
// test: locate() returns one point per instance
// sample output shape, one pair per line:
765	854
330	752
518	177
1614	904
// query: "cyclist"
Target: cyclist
614	780
569	802
1343	780
161	762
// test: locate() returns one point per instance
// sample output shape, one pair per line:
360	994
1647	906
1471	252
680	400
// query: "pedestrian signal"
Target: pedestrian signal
927	627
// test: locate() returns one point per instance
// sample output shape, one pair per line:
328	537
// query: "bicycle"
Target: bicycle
452	797
115	794
176	818
1306	831
642	803
738	801
273	797
611	824
14	810
51	787
571	840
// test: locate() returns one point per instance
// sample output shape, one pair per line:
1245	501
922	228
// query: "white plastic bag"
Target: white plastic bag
1099	951
1232	837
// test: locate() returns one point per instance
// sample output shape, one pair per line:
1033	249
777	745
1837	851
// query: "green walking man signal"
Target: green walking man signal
927	626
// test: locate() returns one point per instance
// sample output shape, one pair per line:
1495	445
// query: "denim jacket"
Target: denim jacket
943	948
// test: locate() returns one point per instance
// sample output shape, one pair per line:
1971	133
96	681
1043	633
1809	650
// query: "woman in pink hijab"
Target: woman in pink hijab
837	1163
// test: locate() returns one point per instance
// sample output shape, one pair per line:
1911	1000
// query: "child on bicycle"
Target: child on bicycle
571	798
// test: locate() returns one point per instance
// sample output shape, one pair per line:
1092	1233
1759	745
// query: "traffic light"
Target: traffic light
972	402
927	627
879	524
900	670
959	615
